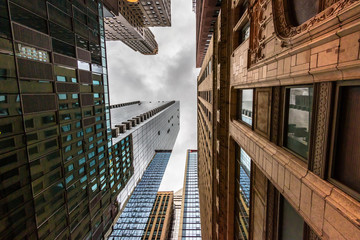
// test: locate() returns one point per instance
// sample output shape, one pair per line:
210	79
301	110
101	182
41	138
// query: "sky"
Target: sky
169	75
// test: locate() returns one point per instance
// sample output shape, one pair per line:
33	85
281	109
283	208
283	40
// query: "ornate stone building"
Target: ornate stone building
279	154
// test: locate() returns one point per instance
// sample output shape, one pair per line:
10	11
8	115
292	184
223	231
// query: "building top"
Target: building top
206	15
124	113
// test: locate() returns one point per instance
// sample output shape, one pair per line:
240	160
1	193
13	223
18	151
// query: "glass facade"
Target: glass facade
133	220
242	193
190	227
145	137
60	173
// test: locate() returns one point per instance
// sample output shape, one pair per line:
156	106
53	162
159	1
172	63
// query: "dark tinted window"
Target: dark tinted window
63	48
346	168
26	18
5	28
62	33
36	6
302	10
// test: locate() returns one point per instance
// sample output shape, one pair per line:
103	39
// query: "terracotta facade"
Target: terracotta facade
322	53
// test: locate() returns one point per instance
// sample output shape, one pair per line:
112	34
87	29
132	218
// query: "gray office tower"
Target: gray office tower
152	128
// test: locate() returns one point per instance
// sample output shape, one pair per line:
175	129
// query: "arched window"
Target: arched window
302	10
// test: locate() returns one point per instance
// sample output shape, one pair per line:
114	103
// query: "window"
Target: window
345	164
62	33
28	19
65	74
63	48
242	192
302	10
245	106
7	66
291	225
298	112
245	32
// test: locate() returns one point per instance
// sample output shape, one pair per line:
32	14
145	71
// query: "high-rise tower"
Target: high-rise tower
61	171
54	120
131	24
190	210
132	223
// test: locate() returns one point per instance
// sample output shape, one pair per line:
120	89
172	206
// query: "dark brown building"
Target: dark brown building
206	15
160	219
278	143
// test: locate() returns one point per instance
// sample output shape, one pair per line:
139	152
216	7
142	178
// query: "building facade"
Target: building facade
284	79
160	219
190	227
133	221
61	172
151	126
131	24
54	122
206	15
176	215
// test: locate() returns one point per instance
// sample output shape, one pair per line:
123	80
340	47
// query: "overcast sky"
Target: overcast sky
169	75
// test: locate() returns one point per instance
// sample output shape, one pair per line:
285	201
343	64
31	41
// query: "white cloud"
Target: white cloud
169	75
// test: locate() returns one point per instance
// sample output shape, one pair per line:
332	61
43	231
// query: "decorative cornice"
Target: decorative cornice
285	30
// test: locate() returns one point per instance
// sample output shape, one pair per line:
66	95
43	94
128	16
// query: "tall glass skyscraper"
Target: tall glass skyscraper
190	215
133	220
60	169
157	129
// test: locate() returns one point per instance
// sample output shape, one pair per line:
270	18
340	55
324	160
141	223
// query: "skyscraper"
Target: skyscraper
176	215
61	172
151	126
131	24
161	217
190	211
133	220
207	12
277	124
54	120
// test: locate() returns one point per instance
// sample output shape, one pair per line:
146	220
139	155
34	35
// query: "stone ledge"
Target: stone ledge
317	201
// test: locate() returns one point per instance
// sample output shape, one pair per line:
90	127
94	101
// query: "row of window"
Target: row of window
298	122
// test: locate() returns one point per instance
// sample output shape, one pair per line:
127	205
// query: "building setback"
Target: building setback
160	219
190	211
132	223
277	133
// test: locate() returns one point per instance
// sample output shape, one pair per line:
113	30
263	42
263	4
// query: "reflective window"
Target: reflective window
245	106
7	66
298	112
63	48
291	223
27	18
62	34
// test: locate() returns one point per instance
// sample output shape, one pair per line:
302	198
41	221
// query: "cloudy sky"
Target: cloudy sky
169	75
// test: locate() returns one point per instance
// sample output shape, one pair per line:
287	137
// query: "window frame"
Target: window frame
239	94
333	139
285	119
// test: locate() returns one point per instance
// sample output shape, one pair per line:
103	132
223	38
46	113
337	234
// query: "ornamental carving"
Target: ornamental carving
285	30
257	35
321	129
